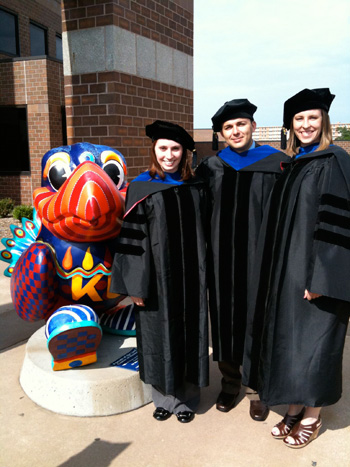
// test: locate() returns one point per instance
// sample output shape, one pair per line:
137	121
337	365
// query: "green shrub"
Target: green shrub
6	206
23	211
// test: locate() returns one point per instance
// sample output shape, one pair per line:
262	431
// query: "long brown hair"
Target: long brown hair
184	166
293	143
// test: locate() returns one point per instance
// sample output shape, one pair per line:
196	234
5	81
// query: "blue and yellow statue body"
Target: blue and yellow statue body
60	263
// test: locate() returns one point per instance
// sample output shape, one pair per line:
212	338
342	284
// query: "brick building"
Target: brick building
203	138
126	64
31	92
273	133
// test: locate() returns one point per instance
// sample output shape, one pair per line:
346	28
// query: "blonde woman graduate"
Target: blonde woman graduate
300	296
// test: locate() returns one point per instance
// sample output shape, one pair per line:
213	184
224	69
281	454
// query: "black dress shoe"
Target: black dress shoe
225	402
258	411
161	414
185	417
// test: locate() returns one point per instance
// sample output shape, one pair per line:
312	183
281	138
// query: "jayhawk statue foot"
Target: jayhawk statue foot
60	263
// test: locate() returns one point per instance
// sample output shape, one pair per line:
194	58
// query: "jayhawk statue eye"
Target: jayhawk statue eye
58	173
115	170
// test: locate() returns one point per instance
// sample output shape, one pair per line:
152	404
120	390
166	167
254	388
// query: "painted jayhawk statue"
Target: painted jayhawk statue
60	263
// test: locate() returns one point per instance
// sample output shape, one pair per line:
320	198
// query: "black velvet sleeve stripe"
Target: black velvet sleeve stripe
333	238
129	249
135	218
132	233
335	201
334	219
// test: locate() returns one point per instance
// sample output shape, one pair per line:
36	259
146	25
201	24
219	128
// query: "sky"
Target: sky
267	51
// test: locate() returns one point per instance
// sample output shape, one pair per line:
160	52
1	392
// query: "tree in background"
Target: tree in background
344	133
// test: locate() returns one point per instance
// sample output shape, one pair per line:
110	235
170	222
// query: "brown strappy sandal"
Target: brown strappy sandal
303	434
285	426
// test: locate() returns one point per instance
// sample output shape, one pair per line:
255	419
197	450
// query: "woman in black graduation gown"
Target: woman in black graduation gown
161	264
302	301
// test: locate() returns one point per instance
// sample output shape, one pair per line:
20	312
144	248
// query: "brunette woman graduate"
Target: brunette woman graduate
302	301
161	264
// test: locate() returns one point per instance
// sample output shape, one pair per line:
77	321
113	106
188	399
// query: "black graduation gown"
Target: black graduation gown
304	244
237	203
161	257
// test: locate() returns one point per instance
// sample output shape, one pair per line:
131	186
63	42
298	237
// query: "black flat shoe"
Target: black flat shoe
185	417
161	414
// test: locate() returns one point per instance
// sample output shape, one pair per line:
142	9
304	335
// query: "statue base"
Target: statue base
90	391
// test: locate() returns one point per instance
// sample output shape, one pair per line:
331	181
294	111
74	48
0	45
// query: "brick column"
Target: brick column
126	64
38	84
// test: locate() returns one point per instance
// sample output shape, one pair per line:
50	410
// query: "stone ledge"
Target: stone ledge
94	390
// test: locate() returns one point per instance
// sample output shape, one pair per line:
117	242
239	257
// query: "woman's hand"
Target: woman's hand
138	301
310	296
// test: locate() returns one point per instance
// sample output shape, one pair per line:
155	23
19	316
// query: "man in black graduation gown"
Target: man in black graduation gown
240	179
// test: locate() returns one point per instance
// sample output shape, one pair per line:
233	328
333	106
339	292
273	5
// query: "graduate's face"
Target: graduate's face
308	126
238	133
168	154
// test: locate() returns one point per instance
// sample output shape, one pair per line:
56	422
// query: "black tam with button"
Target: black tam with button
237	108
307	99
167	130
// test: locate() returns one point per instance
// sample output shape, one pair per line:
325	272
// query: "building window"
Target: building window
14	139
59	53
9	41
38	40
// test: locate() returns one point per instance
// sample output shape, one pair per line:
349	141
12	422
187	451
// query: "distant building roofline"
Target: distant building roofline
262	133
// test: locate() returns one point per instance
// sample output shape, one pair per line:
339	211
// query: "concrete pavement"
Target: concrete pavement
33	436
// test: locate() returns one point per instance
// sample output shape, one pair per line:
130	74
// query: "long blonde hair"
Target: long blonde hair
293	142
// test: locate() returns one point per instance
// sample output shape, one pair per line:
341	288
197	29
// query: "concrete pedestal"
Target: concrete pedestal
93	390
